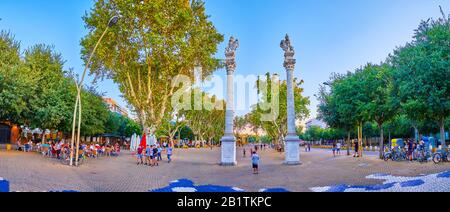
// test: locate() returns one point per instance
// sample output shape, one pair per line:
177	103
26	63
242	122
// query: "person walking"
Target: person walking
58	150
255	162
338	148
356	155
410	149
334	149
169	153
159	153
245	152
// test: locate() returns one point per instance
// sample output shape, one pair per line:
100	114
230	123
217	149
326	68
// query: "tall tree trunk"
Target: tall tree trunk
416	134
444	146
179	138
381	140
360	139
389	141
348	143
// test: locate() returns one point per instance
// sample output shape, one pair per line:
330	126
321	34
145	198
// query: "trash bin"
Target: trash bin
4	185
8	147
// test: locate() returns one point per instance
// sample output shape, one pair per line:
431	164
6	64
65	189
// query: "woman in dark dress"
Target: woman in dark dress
356	149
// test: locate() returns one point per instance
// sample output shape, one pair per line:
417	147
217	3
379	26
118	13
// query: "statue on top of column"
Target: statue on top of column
286	45
289	52
230	53
233	44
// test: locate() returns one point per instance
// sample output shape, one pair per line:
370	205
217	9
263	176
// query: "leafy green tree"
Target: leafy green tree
16	82
153	42
35	91
206	118
186	133
50	105
132	128
114	124
94	114
423	70
399	127
276	127
337	106
171	126
380	105
9	50
121	126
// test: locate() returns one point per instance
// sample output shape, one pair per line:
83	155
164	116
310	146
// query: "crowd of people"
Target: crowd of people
151	155
411	148
59	149
337	149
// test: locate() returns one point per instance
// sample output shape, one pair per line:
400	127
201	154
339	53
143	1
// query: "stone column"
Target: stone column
292	148
228	147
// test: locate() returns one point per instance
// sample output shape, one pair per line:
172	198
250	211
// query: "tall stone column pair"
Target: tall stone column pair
292	149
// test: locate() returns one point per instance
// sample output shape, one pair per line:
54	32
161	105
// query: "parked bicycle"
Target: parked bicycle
388	156
441	156
422	155
65	158
396	154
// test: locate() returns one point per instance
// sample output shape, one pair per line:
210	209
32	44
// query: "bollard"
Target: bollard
4	185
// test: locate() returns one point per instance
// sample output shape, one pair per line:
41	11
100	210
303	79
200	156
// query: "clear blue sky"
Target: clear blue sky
329	35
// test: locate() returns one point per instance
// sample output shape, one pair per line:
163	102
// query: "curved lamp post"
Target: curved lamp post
112	22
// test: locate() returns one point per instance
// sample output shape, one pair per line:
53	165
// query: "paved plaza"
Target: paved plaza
199	169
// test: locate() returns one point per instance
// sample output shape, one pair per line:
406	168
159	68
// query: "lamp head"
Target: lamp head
113	21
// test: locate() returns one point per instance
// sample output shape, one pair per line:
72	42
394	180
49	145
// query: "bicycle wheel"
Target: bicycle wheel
387	157
405	156
65	160
437	158
421	157
81	161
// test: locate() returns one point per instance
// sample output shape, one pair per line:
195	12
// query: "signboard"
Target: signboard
397	143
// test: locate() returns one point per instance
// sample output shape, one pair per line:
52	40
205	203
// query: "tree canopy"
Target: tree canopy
36	91
270	113
410	88
153	43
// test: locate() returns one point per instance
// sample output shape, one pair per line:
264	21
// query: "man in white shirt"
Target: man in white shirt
338	148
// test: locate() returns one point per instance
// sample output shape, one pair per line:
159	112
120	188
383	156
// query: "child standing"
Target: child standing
155	156
139	155
148	156
255	162
169	153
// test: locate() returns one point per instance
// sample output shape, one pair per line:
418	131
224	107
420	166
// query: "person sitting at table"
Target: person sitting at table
108	151
26	147
19	145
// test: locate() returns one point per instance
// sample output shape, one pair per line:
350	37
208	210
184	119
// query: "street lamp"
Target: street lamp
112	22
